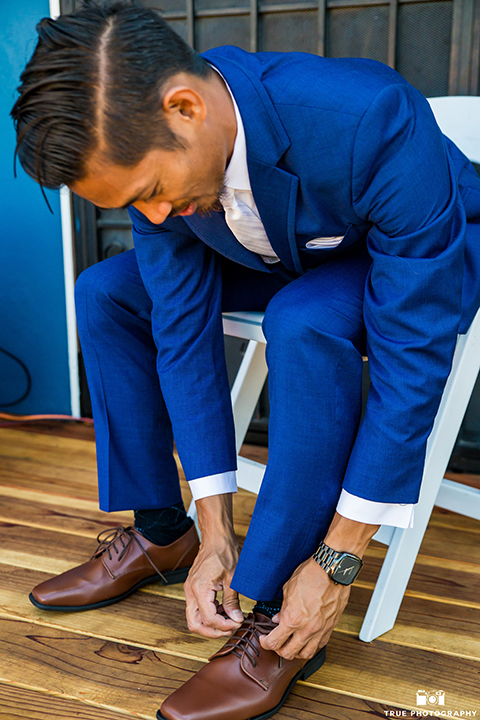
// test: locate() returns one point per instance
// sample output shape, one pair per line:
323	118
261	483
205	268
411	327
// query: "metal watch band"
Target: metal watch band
325	556
331	561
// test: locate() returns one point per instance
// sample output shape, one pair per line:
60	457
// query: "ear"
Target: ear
183	104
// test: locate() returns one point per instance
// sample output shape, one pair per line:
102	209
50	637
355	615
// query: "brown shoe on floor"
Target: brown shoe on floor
123	562
242	681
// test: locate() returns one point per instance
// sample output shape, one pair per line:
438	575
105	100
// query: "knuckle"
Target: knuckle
305	655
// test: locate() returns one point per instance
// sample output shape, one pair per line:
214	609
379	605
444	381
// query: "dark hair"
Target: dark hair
94	82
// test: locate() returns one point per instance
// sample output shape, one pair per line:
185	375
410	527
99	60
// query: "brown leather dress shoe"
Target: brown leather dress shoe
123	562
242	681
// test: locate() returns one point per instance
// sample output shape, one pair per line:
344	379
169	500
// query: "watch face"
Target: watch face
346	569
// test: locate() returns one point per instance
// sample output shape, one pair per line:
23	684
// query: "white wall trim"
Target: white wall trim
54	9
68	269
69	275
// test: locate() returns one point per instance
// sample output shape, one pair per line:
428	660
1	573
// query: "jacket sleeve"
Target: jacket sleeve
404	184
183	279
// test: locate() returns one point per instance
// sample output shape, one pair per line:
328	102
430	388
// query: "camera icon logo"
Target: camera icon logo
430	698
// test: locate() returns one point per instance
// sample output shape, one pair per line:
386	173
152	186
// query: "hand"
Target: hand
212	572
312	603
311	608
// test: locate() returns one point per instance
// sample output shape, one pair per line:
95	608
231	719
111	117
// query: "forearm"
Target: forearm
349	535
215	518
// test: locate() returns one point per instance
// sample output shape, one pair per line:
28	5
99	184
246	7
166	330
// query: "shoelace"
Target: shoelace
242	645
124	535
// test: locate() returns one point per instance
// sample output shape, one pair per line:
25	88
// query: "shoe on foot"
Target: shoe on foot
240	682
123	562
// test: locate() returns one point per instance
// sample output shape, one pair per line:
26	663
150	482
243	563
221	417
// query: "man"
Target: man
318	190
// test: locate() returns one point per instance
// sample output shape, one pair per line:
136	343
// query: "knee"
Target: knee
100	284
293	319
284	320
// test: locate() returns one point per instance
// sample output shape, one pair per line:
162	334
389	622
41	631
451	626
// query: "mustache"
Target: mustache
207	207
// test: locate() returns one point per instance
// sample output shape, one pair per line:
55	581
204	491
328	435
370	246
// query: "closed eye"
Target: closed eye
156	191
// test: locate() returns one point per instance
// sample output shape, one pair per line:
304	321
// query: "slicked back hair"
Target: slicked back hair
94	84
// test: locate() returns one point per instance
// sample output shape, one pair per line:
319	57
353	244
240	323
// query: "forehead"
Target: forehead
112	186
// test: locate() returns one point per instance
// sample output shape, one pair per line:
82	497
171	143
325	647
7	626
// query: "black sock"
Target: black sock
165	525
268	607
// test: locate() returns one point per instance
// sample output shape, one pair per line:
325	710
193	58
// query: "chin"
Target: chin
215	206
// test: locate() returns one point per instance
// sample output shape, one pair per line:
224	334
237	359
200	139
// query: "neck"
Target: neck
224	113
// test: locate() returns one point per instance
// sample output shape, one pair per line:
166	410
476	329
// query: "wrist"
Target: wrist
349	535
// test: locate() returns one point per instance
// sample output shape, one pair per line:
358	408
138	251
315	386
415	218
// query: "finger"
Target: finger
210	615
276	638
310	649
231	605
195	625
294	646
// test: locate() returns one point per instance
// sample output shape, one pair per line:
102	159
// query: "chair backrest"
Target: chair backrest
459	119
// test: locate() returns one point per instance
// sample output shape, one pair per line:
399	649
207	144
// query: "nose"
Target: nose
157	213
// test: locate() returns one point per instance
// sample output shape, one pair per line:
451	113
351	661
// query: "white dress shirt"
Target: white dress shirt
243	219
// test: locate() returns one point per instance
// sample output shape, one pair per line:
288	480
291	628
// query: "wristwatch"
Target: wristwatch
341	567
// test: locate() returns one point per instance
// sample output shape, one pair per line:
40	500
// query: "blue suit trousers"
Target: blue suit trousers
315	342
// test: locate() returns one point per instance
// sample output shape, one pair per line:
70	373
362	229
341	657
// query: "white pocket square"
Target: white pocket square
324	242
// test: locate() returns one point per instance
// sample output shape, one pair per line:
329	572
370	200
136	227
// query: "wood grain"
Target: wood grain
158	624
118	675
17	703
95	662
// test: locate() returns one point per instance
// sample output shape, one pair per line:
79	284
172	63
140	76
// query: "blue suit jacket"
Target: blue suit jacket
334	147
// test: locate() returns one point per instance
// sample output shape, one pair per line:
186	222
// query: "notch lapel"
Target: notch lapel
274	190
214	231
275	194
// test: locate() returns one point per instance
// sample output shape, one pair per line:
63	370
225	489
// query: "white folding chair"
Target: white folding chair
459	119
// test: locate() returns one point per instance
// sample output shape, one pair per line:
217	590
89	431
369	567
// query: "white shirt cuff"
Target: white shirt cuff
219	484
375	513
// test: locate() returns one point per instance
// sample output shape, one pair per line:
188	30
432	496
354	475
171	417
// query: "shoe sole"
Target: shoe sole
172	577
308	669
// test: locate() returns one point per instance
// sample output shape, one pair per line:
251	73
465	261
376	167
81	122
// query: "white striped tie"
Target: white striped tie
243	220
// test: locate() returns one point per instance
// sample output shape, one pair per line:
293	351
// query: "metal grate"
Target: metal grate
288	32
435	44
424	45
358	32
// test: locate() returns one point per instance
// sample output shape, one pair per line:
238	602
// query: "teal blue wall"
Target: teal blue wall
32	296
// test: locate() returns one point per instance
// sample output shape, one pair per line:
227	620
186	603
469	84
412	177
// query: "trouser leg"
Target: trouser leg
315	340
136	467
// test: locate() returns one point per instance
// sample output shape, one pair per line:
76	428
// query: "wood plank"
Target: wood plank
60	428
158	624
48	511
17	703
437	629
108	675
72	452
135	680
117	676
52	552
421	624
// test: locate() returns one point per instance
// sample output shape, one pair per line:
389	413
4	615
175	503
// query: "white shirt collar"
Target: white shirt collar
236	174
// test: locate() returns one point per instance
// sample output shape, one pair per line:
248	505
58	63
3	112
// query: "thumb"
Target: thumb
231	605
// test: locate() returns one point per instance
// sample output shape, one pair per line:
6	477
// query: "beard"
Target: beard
206	204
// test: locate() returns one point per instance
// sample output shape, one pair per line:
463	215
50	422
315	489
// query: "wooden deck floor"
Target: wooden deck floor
122	661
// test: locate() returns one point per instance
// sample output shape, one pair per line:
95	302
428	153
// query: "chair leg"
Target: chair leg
247	387
246	390
402	553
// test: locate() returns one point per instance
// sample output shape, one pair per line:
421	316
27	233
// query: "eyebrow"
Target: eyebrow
133	199
156	190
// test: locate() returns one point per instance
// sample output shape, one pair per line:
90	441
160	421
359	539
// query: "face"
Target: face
162	185
179	182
